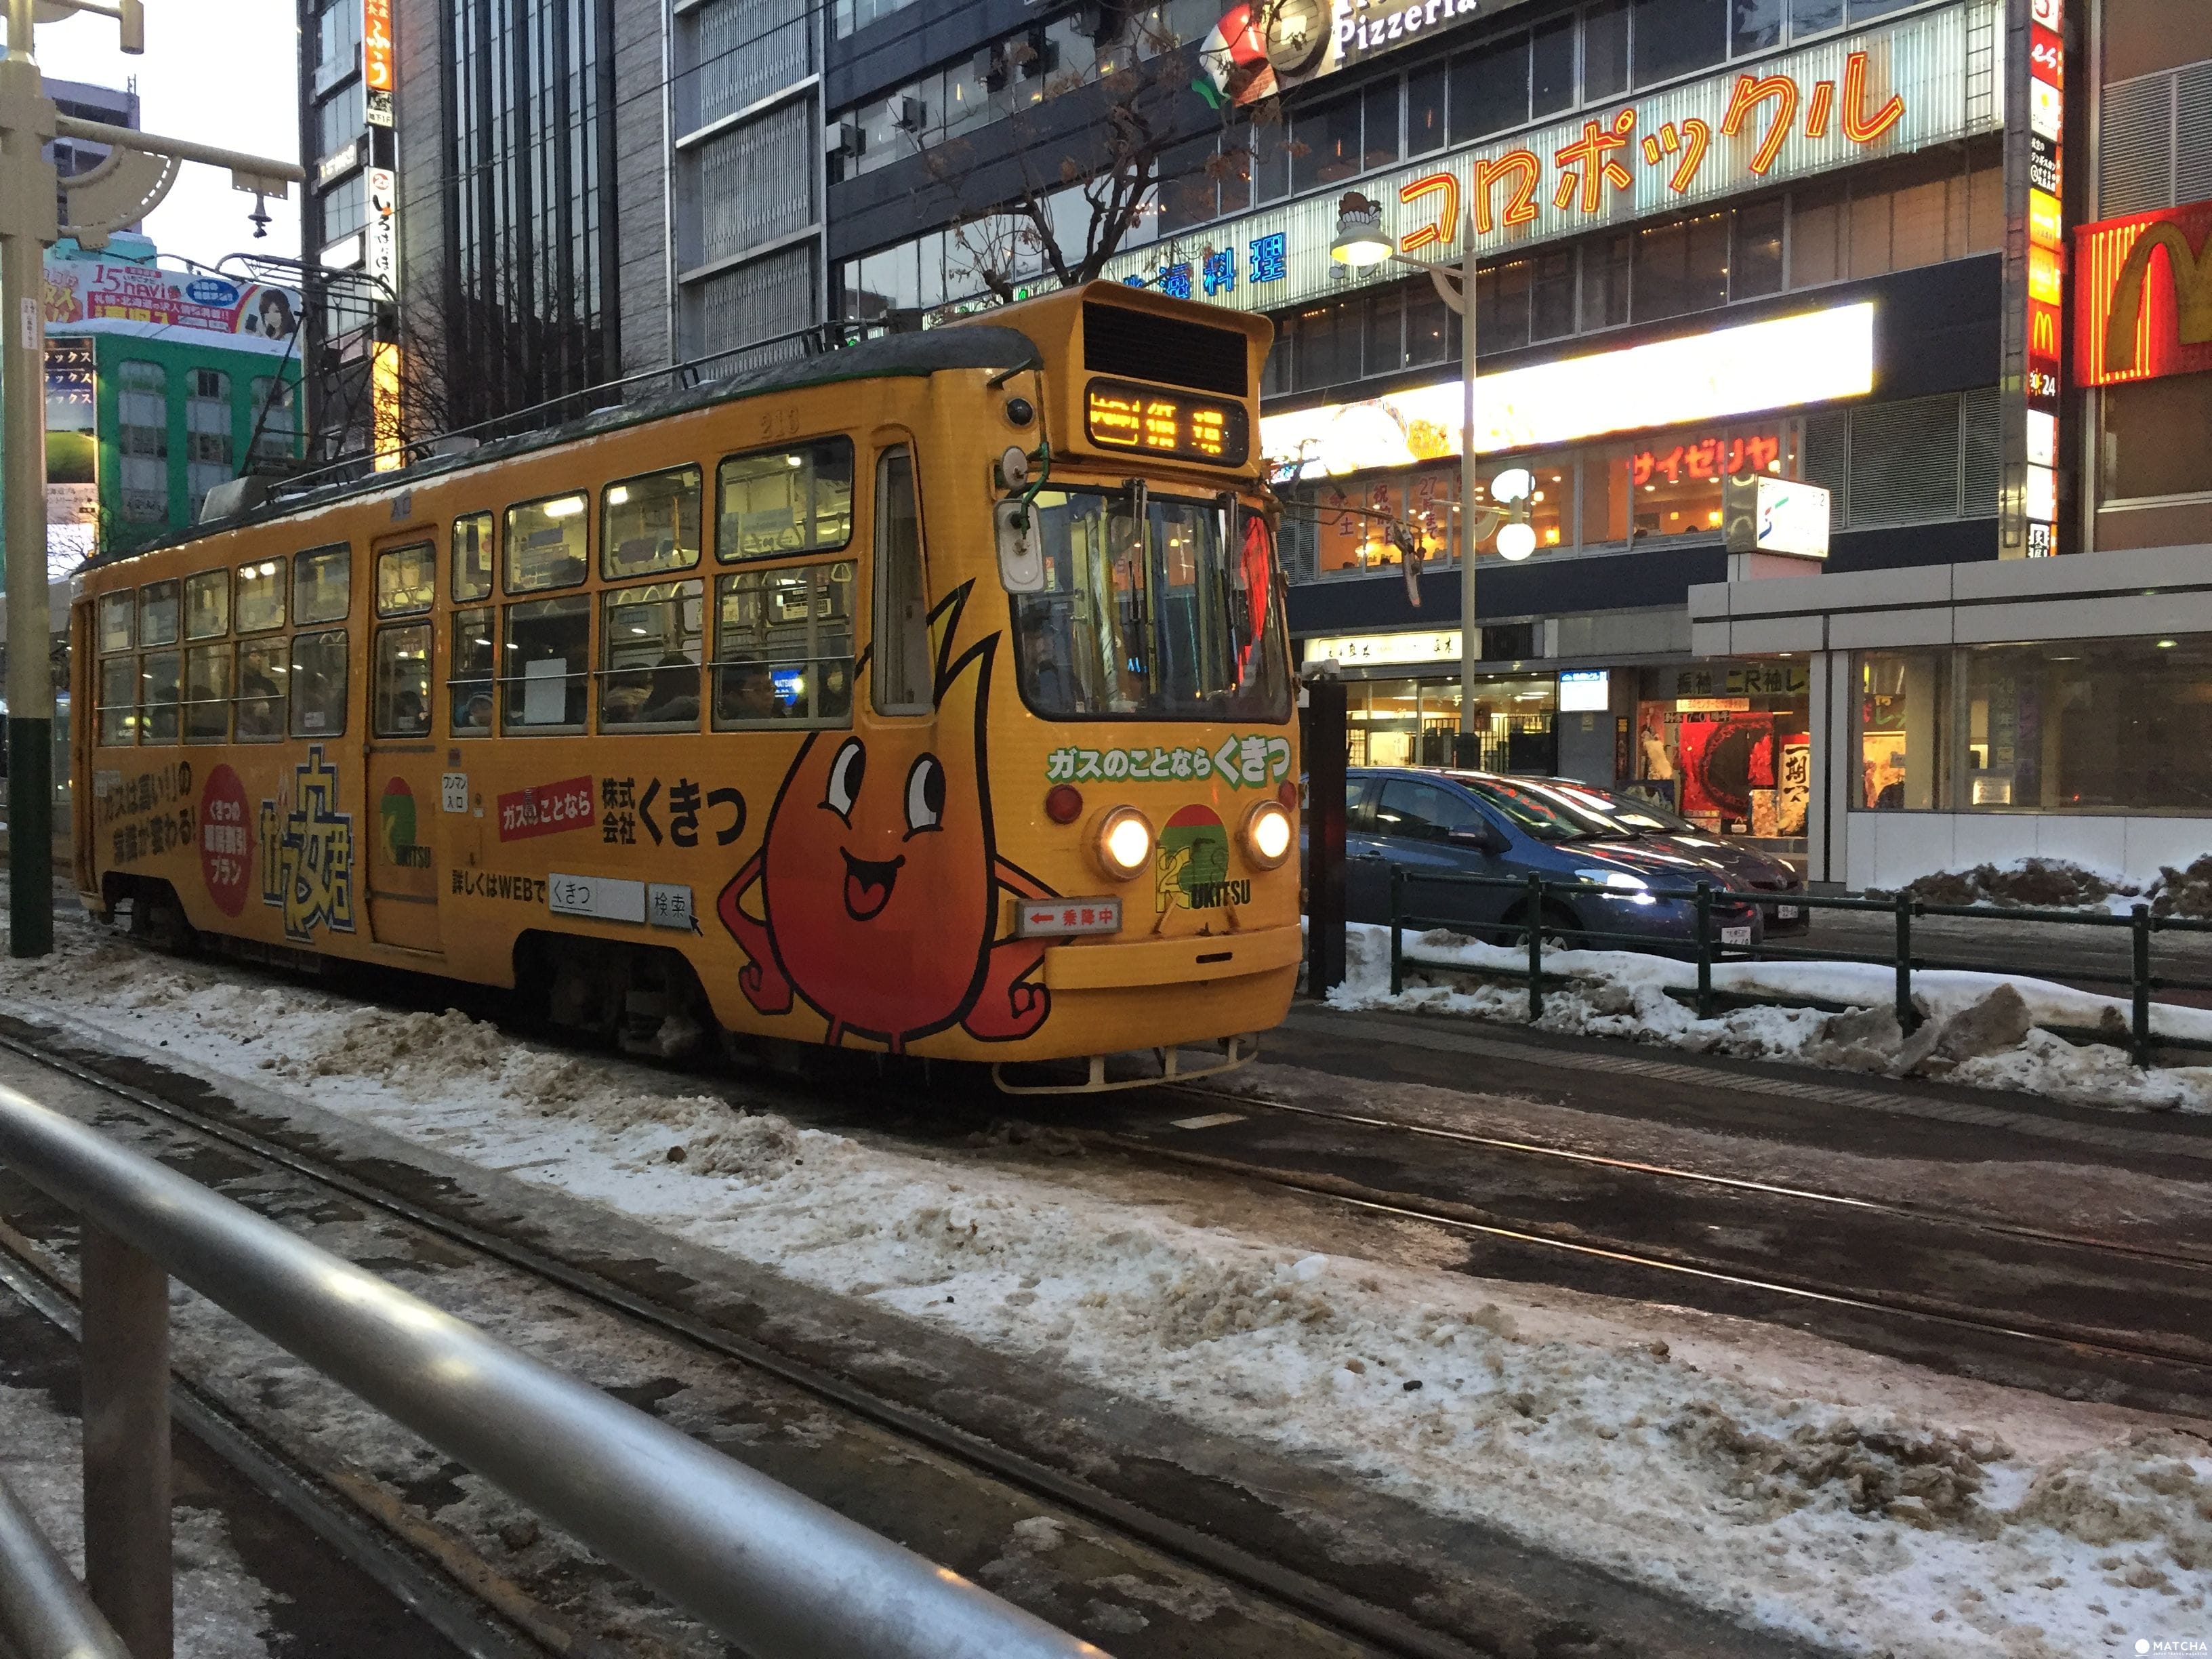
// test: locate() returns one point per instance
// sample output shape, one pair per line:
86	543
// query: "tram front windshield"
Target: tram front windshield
1156	607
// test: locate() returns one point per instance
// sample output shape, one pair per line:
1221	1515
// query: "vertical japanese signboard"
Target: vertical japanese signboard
2035	333
2046	272
381	246
376	59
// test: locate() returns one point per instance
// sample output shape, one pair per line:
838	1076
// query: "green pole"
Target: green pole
26	226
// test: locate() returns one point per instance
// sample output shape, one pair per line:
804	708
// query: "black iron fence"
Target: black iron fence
1536	918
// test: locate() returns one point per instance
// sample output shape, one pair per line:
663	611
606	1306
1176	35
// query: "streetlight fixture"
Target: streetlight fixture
1517	539
1361	241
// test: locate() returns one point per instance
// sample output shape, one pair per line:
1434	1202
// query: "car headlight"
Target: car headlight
1620	878
1634	888
1123	846
1268	836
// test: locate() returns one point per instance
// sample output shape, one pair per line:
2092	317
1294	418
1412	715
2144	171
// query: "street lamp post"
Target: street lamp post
28	224
1360	241
132	182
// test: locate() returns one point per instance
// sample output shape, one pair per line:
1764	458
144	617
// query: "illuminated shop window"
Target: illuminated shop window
1669	484
1900	708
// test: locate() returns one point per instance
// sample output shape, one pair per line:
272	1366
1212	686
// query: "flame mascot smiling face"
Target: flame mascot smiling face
878	875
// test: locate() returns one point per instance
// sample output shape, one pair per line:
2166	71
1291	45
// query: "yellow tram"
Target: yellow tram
932	696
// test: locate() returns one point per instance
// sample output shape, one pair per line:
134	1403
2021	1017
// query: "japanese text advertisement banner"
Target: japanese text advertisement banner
98	296
1860	96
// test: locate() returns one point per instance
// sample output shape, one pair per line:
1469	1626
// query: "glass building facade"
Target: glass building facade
530	279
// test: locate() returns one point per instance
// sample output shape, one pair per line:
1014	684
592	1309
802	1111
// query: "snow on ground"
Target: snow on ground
1788	1482
1622	993
221	1609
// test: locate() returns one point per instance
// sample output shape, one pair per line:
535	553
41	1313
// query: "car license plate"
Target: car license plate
1787	912
1736	935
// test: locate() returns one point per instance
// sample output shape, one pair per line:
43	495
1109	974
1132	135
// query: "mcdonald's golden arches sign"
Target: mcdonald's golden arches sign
2144	307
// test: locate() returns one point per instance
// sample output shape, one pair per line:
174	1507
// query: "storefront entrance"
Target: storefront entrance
1730	745
1416	722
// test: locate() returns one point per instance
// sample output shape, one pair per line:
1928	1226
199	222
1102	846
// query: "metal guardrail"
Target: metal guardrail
45	1613
773	1571
1705	949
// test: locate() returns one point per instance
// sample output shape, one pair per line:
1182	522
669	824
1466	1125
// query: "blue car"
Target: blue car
1480	823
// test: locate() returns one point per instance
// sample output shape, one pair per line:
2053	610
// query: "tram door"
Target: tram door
403	770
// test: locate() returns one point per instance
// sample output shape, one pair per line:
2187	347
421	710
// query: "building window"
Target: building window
757	182
1489	90
275	430
1328	144
207	450
1663	486
1899	720
1678	37
1681	267
142	441
530	171
2091	727
341	119
345	207
747	49
2157	438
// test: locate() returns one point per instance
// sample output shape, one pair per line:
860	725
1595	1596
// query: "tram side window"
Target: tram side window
783	646
321	585
318	684
402	681
157	614
545	544
264	675
207	604
473	556
471	686
900	678
207	694
406	579
158	690
546	665
649	641
650	523
116	633
785	501
119	700
260	596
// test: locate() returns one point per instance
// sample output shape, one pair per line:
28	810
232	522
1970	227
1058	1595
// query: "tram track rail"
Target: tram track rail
1223	1100
1382	1630
1476	1220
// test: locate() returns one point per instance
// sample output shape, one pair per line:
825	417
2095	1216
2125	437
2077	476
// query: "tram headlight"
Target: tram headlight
1124	843
1268	836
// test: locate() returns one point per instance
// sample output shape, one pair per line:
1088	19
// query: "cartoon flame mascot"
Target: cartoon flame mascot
879	876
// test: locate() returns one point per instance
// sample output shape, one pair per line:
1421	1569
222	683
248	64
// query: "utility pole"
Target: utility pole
129	184
27	227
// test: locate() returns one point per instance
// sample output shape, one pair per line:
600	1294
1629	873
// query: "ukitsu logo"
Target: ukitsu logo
1193	866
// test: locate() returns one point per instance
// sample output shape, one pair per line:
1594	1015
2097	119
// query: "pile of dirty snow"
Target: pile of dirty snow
1986	1030
2040	883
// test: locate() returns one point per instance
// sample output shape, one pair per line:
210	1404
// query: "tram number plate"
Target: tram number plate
1736	935
1067	918
454	791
